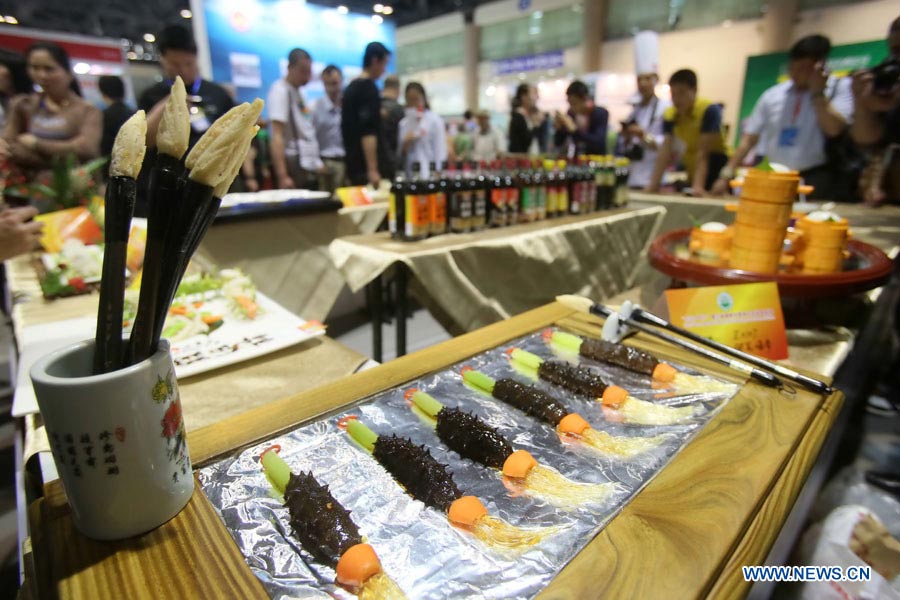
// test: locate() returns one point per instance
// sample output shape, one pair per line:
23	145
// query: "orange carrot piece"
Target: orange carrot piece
210	319
572	423
518	464
614	396
665	373
178	309
466	510
357	564
342	422
248	305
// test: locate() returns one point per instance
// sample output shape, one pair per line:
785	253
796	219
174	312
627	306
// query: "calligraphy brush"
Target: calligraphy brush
163	195
213	164
586	305
127	156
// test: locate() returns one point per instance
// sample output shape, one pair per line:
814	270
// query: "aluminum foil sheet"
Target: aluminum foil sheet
418	548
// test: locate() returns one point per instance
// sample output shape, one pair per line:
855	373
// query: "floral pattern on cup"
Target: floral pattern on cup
172	424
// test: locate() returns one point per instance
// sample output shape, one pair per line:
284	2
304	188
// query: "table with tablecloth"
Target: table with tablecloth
470	280
287	256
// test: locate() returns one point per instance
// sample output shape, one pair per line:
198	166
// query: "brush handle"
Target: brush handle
807	382
762	377
120	197
164	196
186	229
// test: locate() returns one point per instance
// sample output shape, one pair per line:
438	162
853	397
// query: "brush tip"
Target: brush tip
409	393
579	303
466	369
547	334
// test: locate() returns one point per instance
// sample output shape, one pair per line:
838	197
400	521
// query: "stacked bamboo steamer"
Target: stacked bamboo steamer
823	242
762	219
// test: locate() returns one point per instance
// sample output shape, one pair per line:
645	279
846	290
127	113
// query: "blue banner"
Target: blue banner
249	41
533	62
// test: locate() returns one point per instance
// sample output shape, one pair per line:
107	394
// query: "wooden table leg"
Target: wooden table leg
373	293
400	307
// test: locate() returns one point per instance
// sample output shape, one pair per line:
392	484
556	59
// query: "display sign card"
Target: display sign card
746	316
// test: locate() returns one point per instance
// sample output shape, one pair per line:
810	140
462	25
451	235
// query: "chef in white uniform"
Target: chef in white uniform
643	131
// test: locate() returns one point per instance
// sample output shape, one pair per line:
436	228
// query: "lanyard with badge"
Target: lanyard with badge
199	121
787	137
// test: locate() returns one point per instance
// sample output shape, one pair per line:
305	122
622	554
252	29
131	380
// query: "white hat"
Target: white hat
646	52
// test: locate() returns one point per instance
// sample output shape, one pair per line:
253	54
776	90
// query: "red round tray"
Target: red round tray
867	268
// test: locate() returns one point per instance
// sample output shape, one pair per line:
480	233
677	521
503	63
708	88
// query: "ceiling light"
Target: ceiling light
377	19
343	9
11	20
186	14
131	55
388	10
378	8
81	68
149	37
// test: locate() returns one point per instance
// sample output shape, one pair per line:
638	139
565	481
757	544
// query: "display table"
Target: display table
286	254
471	280
208	397
718	504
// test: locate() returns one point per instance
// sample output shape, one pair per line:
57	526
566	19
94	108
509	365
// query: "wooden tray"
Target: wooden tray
871	268
718	505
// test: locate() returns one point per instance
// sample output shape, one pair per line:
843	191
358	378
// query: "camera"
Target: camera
634	152
885	75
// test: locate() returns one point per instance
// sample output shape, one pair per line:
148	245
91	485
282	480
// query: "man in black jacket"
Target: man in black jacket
584	126
116	112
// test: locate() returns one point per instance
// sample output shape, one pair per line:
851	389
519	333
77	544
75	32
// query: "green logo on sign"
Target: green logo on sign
725	301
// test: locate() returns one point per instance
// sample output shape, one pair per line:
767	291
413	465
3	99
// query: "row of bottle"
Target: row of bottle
471	198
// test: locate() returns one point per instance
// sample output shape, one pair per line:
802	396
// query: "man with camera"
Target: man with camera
876	123
642	132
795	118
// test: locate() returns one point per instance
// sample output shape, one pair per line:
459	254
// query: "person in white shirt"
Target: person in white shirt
488	143
326	118
294	148
642	133
421	137
795	117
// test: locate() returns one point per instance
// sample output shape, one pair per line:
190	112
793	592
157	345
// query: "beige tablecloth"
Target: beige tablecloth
287	257
468	281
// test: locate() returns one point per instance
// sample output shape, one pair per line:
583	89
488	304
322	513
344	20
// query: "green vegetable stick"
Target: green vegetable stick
363	436
525	358
479	380
277	471
427	404
567	340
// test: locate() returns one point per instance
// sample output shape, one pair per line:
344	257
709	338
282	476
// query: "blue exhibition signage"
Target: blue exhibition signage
249	41
532	62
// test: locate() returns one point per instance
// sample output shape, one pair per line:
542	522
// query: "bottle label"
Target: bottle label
437	208
417	215
392	213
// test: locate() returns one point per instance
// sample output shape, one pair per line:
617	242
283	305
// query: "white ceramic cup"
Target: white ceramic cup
118	440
